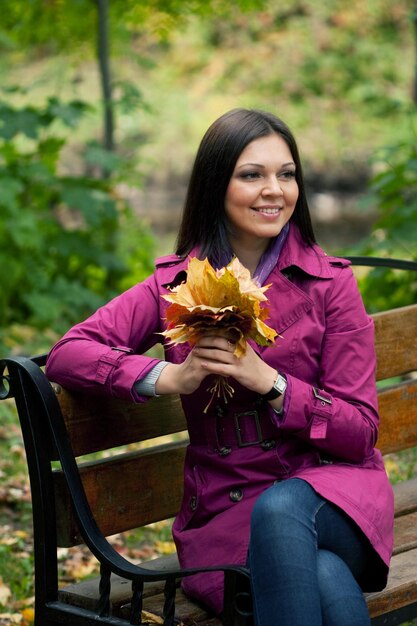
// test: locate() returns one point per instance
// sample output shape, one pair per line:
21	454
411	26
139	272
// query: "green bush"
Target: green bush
59	234
393	191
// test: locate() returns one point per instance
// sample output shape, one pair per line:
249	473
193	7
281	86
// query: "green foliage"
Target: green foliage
51	27
393	190
59	241
334	71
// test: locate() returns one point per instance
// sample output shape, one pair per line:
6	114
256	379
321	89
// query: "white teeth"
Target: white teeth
271	211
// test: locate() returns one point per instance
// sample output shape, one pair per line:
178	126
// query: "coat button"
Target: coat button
268	444
224	451
236	495
193	503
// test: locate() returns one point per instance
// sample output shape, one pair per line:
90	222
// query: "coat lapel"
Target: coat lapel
287	302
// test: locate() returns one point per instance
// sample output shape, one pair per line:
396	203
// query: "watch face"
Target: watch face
280	384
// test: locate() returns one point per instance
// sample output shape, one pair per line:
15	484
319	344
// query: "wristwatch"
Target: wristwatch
277	390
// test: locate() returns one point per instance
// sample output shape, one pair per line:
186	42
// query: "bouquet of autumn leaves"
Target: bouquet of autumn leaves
226	301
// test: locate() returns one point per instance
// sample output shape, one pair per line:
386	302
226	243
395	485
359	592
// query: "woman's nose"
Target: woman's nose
272	187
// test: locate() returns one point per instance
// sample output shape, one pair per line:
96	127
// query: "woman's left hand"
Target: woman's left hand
217	357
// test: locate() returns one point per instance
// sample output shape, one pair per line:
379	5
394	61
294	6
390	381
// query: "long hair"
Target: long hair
204	222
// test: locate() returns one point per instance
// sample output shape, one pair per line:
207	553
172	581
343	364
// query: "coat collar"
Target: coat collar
310	259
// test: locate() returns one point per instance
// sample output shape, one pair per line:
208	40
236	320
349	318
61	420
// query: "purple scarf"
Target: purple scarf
267	261
270	257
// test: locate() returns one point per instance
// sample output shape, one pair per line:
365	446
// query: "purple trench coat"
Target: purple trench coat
326	436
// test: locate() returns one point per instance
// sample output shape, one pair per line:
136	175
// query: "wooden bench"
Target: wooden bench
144	485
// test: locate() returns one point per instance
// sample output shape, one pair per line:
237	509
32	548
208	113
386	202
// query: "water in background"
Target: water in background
338	218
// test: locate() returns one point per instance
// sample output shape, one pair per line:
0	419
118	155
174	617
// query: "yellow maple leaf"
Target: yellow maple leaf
246	283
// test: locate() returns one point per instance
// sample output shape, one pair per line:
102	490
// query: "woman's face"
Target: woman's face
262	192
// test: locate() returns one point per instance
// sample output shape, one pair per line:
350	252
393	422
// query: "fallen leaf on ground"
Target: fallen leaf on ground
165	547
151	618
5	593
10	618
28	615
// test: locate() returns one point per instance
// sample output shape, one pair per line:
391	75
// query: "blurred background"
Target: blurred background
102	106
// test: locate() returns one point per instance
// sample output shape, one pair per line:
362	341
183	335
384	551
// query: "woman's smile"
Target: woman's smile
267	210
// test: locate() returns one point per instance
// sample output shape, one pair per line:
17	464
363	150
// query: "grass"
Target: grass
16	545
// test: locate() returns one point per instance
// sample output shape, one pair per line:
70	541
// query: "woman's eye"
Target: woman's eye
287	175
249	175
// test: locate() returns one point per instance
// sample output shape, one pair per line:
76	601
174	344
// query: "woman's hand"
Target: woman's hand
213	354
216	354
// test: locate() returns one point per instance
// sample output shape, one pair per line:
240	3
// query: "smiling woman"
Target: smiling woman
282	475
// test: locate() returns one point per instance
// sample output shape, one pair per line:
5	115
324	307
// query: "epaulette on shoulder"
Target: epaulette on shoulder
168	260
336	261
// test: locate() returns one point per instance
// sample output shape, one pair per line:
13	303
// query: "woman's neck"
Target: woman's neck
249	255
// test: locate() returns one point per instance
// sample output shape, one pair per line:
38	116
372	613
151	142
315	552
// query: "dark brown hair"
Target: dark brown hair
204	222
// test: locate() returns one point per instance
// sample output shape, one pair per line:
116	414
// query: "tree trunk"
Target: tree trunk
414	18
104	66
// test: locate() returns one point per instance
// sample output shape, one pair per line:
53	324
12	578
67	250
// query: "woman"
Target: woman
284	476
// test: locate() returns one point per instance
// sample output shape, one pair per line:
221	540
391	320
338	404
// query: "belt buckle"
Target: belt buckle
237	417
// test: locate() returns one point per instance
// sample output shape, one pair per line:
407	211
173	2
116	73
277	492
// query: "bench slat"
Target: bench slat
405	533
405	497
396	341
139	498
401	588
98	423
398	413
186	612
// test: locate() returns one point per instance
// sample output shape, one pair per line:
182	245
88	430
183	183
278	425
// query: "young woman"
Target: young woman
285	476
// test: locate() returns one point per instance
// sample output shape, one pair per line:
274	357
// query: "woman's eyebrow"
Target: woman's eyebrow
263	166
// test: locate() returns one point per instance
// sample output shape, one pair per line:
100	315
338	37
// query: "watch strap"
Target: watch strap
278	388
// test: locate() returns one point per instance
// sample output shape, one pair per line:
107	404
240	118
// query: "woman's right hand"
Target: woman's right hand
181	378
187	377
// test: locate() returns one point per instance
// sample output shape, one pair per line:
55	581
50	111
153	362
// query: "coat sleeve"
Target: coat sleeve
339	414
103	354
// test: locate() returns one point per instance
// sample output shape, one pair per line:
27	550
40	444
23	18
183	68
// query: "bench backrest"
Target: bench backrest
135	486
396	350
144	485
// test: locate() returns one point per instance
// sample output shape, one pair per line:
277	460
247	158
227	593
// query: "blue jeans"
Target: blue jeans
305	558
